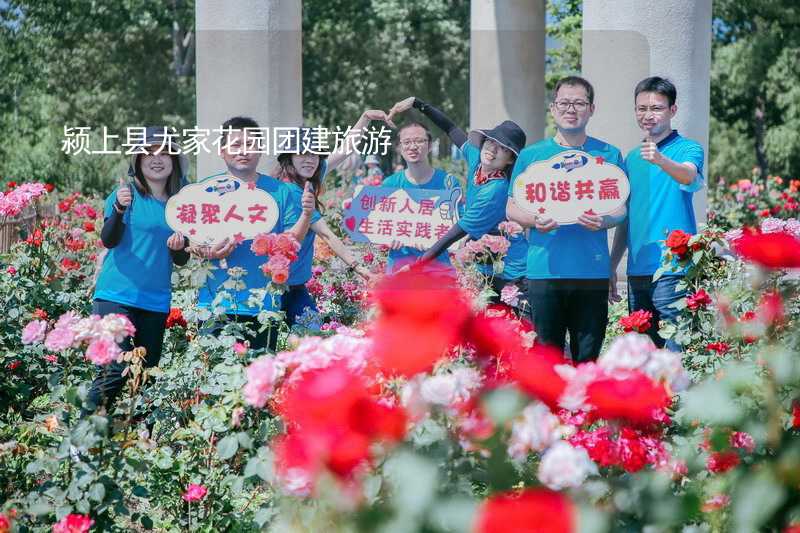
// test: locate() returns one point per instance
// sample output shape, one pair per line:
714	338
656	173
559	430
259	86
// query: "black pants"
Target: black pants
258	340
150	327
577	306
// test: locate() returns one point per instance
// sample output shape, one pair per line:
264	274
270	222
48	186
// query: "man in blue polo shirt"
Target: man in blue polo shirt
568	267
665	171
235	296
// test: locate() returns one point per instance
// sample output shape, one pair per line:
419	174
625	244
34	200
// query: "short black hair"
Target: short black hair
237	123
656	84
572	81
414	124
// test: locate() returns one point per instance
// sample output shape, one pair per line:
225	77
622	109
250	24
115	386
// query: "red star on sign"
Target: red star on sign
251	185
542	210
238	238
599	160
590	212
192	231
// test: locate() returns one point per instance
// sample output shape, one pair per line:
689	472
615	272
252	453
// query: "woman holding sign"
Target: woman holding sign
490	156
135	276
298	167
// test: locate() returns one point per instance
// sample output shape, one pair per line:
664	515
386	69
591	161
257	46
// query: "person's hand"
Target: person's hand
218	251
613	293
650	151
378	114
401	106
545	225
176	241
590	221
308	201
395	245
124	193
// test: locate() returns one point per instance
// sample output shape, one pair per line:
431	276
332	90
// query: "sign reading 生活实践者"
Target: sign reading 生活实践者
221	207
414	217
570	184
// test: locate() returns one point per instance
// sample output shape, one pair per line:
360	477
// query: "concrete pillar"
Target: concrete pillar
507	64
625	41
249	62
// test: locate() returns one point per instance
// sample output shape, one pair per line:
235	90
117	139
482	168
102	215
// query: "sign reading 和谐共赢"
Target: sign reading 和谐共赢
570	184
221	207
414	217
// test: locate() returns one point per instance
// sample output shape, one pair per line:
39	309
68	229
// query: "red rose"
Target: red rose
634	397
796	415
770	250
720	347
678	243
49	187
534	371
638	321
175	318
698	300
13	365
719	462
40	314
530	511
68	264
88	226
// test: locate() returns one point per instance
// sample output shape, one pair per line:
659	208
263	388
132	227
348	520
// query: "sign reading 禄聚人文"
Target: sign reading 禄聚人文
414	217
221	207
570	184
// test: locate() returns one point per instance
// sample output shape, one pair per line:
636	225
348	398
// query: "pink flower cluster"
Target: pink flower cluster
488	244
281	248
195	492
101	335
73	523
13	202
267	373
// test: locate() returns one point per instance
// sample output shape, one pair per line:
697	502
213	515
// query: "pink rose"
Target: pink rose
34	332
103	351
59	339
194	492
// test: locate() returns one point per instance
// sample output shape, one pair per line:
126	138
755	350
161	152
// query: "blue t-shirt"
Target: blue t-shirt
300	269
485	209
137	271
243	257
571	251
658	204
407	254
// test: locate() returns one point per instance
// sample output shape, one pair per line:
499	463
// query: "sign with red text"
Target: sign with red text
570	184
221	207
414	217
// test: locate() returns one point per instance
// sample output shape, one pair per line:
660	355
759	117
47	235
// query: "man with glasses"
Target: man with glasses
414	142
568	267
665	171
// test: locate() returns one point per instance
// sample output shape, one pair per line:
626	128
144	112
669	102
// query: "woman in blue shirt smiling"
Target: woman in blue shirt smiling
135	276
297	169
490	156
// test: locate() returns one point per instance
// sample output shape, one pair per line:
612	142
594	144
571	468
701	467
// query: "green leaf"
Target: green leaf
755	499
503	405
414	480
97	492
146	522
140	491
710	402
227	447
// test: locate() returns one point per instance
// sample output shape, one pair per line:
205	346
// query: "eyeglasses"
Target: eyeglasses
564	105
654	109
407	143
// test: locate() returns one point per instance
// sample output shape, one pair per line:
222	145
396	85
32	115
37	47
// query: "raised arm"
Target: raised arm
442	121
340	152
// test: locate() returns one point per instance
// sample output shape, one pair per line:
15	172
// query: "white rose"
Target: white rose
439	390
564	466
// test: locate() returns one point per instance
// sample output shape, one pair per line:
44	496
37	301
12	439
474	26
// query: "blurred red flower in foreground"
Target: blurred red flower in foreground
770	250
634	397
529	511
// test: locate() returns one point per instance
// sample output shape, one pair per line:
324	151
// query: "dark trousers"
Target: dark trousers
577	306
659	298
257	339
294	303
150	327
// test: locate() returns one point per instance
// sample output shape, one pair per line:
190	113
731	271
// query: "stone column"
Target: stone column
249	62
625	41
507	64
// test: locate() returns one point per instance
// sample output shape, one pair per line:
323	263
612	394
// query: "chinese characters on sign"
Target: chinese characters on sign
219	207
269	141
415	217
570	184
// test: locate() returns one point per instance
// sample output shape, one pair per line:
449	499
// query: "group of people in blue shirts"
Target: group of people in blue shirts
567	272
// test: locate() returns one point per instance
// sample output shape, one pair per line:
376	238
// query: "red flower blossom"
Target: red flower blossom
195	492
632	451
770	250
720	347
698	300
175	318
634	397
36	238
534	371
68	264
13	365
49	187
638	321
678	243
796	414
88	225
530	511
5	523
419	306
719	462
73	523
770	310
40	314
